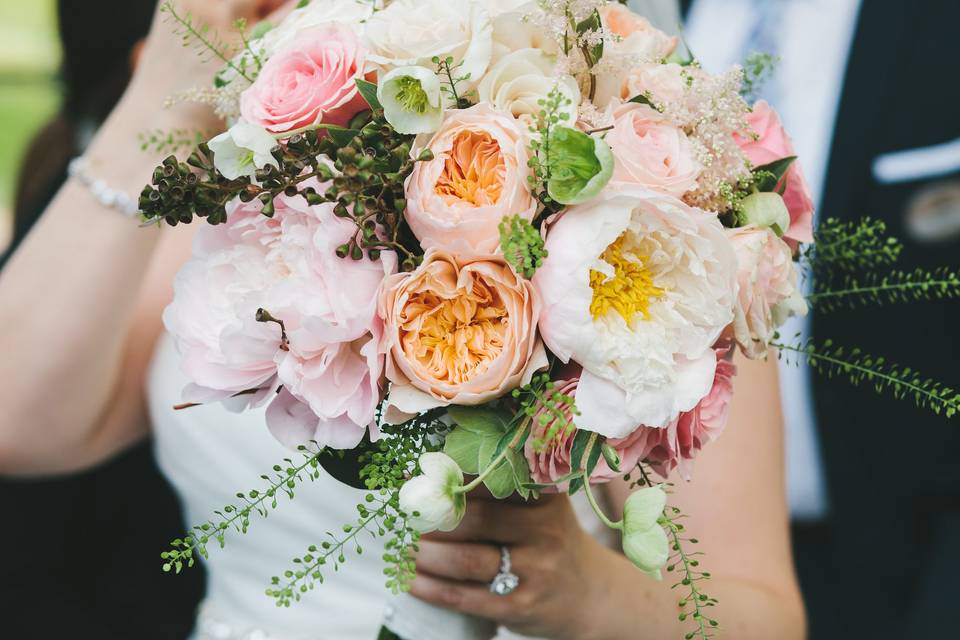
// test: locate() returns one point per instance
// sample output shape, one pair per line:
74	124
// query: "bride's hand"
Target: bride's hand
557	562
168	65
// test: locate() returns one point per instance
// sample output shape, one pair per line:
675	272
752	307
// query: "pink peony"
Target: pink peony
478	175
458	332
651	152
550	461
286	265
677	444
767	277
772	143
313	80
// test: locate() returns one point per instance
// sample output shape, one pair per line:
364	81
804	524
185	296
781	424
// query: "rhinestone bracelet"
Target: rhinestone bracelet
104	194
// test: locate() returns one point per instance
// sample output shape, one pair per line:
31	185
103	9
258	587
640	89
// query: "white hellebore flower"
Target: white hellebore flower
413	32
431	495
644	540
241	150
637	288
521	79
412	100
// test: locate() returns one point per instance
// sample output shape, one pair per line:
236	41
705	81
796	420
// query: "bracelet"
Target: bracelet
104	194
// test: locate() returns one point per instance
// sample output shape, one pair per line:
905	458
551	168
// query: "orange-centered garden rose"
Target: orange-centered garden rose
458	332
478	176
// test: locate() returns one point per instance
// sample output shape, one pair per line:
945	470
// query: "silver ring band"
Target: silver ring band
505	582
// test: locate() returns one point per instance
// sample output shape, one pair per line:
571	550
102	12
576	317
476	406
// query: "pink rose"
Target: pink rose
478	175
550	461
329	362
677	444
767	277
662	83
458	332
639	37
651	152
313	80
773	143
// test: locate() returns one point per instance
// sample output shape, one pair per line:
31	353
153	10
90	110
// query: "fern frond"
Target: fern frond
860	369
851	246
894	287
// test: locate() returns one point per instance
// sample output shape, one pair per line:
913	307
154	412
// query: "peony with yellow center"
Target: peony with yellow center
458	332
478	176
637	288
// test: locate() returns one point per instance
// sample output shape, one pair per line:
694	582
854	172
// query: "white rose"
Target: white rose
521	79
513	30
317	12
413	32
432	495
241	150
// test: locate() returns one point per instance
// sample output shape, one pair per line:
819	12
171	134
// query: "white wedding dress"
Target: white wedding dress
209	454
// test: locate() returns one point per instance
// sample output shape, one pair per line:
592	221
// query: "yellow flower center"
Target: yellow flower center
455	338
629	291
474	170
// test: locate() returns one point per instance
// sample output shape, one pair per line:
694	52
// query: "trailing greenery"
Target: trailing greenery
383	469
860	368
522	245
894	287
845	247
449	81
547	120
370	162
758	69
236	516
694	602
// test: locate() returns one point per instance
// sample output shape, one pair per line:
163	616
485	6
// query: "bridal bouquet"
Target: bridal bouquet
456	243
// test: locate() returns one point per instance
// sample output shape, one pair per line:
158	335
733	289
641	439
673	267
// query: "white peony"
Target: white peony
637	288
413	32
520	80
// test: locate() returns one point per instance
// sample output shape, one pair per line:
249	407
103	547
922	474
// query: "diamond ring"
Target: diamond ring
505	582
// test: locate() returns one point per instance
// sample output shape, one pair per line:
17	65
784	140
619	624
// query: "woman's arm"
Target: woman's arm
80	300
574	588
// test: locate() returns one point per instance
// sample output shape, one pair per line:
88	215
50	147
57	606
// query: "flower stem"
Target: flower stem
618	525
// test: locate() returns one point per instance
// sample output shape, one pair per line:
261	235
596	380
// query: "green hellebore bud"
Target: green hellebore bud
580	166
767	210
432	495
644	540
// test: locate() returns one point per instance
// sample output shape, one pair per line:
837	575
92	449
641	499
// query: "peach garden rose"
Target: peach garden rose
458	332
478	175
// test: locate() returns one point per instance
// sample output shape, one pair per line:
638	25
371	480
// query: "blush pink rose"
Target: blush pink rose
638	36
678	444
651	152
550	461
458	332
772	143
662	83
313	80
767	277
478	175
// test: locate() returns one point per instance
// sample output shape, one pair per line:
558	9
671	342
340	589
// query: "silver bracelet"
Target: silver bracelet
104	194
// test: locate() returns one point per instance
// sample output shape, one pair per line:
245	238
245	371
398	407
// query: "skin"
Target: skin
80	303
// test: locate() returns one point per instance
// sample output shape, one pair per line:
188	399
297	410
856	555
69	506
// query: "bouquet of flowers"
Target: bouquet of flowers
515	244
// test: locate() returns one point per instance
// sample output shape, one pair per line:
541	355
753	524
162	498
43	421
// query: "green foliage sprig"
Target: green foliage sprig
758	69
171	141
236	516
542	128
203	38
522	245
845	247
897	286
694	602
449	80
860	368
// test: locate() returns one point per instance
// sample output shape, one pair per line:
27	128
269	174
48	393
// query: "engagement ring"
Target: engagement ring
505	582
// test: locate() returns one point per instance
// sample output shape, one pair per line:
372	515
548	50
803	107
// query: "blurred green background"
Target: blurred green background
29	91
